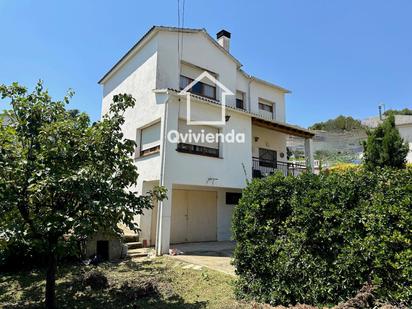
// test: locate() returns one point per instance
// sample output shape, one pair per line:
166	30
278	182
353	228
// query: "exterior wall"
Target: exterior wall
190	169
270	94
156	65
224	211
199	51
138	78
406	133
269	139
243	84
147	218
116	248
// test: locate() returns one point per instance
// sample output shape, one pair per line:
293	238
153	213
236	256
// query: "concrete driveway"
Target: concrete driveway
214	255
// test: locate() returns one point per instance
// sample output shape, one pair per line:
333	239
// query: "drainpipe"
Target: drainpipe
248	96
159	223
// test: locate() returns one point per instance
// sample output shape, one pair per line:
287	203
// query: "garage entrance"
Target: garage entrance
194	216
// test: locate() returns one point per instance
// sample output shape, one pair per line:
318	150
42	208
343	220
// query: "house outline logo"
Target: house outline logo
225	92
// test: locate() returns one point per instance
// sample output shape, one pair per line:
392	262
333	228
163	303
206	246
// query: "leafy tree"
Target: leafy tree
385	147
61	178
339	124
405	111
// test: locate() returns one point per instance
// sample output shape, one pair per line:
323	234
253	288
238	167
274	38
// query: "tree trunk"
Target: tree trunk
51	279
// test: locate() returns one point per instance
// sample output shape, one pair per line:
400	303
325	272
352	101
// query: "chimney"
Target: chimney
223	38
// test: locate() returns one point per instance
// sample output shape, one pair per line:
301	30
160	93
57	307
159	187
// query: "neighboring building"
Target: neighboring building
404	125
204	180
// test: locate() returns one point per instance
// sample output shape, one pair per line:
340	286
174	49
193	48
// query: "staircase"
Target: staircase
134	246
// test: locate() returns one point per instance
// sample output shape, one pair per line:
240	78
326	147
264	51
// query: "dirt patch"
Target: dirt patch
133	290
96	279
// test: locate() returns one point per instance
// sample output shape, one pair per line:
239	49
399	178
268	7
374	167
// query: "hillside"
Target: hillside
339	124
337	140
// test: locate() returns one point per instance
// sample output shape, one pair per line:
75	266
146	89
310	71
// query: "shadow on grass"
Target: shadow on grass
72	294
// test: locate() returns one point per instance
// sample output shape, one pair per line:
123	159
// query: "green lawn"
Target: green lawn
177	287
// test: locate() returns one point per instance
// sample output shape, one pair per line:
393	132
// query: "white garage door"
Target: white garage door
193	216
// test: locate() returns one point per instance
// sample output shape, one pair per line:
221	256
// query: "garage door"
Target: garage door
193	216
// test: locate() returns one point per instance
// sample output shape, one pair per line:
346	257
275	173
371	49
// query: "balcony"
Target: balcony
262	168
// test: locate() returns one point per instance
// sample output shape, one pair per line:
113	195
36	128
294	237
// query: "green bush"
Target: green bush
317	239
17	254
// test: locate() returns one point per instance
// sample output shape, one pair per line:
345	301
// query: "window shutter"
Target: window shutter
150	137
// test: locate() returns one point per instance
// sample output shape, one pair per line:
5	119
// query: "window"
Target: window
232	198
150	139
184	81
209	91
240	99
267	157
266	107
199	150
200	146
200	88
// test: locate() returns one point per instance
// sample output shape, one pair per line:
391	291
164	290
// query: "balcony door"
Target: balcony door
267	157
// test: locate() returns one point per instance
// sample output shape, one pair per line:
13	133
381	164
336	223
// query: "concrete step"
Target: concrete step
134	245
131	238
135	253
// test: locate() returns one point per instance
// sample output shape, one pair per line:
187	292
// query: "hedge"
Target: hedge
316	239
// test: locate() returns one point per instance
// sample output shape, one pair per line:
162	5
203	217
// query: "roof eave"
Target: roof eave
302	132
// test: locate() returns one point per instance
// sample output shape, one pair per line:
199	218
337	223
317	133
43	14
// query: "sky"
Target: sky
337	57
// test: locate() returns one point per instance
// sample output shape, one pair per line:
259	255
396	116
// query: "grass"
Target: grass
178	288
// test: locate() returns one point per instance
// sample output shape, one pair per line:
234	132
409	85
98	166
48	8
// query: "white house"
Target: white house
204	178
402	122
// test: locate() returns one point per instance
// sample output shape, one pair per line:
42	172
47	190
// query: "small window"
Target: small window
184	81
266	107
198	150
232	198
150	139
200	88
240	99
209	91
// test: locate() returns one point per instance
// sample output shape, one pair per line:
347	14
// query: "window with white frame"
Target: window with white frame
267	108
150	139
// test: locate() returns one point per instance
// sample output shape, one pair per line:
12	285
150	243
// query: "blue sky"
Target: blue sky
337	57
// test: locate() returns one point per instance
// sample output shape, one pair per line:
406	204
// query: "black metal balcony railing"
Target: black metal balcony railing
262	168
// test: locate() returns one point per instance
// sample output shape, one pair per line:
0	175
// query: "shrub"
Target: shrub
96	279
18	253
343	167
318	238
385	147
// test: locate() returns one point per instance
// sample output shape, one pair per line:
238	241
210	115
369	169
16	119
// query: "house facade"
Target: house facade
204	179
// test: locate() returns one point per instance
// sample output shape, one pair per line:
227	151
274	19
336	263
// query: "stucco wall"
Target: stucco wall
138	78
224	211
182	168
199	51
116	247
268	139
406	133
